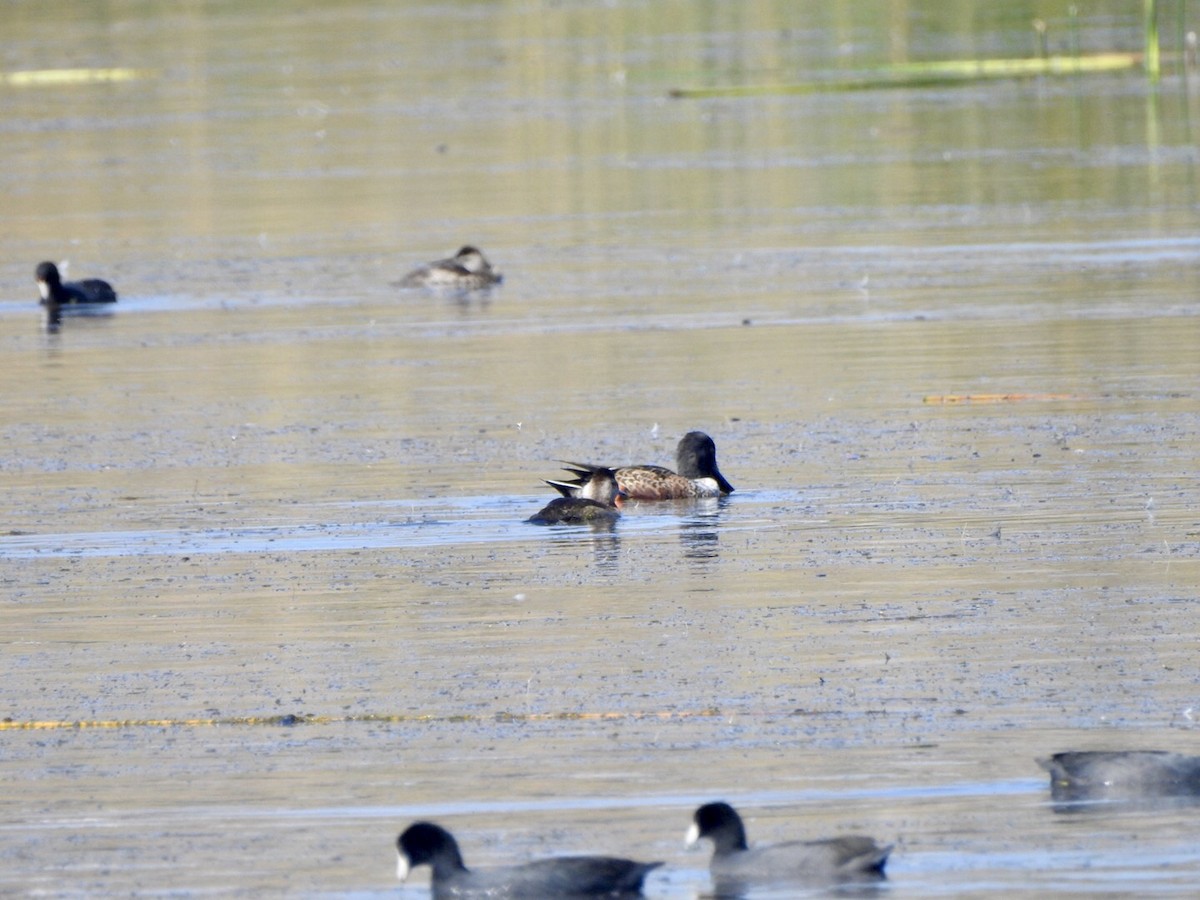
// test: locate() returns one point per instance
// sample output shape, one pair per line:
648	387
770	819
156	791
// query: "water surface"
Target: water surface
264	533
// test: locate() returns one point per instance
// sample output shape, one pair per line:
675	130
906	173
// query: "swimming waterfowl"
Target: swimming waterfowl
61	298
1121	775
467	270
734	865
593	501
698	475
424	843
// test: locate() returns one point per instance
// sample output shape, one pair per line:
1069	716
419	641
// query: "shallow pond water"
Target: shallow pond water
269	594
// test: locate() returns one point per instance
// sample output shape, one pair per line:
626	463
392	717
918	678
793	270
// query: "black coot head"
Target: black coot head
721	824
48	272
423	843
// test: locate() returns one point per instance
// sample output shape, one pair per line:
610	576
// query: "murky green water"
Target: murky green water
271	485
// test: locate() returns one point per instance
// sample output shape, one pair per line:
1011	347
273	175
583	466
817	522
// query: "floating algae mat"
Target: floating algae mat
931	74
38	77
963	71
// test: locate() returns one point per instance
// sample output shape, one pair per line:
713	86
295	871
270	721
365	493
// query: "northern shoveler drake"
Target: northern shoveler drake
735	866
61	298
467	270
698	475
594	501
427	844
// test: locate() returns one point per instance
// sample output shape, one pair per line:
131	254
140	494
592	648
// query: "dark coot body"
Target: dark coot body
735	866
1121	775
63	298
424	843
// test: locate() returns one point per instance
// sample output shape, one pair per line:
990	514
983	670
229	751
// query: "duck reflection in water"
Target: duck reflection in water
698	531
604	541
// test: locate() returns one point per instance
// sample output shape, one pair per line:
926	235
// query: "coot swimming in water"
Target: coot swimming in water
424	843
734	865
61	298
1128	775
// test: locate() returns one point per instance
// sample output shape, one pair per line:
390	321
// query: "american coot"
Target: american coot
424	843
735	866
1121	775
467	270
73	296
595	503
698	475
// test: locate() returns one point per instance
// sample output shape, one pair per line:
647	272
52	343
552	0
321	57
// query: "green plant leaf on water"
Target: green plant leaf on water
931	74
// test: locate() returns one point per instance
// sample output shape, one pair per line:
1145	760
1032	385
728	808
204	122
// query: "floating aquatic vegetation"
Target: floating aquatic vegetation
40	77
939	73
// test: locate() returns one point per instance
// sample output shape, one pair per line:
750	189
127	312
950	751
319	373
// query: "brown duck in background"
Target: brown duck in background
467	270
